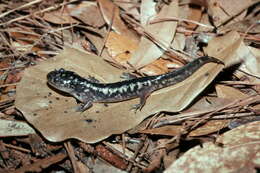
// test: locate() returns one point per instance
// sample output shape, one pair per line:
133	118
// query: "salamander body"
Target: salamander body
89	91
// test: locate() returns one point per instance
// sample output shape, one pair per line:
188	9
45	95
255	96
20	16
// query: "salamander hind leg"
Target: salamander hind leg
143	98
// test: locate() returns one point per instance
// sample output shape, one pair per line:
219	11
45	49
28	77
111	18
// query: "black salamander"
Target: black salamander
89	91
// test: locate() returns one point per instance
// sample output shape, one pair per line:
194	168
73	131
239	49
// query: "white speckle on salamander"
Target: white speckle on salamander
159	77
86	90
94	88
75	80
124	88
87	84
163	82
67	82
146	83
140	85
111	91
105	91
132	86
84	84
120	89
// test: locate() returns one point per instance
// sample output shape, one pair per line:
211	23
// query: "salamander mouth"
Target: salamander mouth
59	87
52	78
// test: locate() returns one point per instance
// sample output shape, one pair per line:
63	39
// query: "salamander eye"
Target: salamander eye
61	70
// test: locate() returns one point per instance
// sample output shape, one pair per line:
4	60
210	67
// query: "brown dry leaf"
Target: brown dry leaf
232	48
54	114
232	94
164	32
222	10
121	47
60	16
240	153
111	13
209	127
25	35
170	130
243	26
190	13
179	41
159	66
130	7
229	92
98	38
88	13
207	103
205	19
25	38
226	47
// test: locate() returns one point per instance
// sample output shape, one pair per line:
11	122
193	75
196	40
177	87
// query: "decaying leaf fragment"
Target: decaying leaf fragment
53	113
14	128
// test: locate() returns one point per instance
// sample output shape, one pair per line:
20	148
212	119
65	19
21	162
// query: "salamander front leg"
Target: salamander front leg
83	106
93	79
127	76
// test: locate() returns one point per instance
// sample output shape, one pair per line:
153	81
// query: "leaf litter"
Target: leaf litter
141	38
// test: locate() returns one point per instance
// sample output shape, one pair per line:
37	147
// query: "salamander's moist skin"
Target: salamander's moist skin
90	90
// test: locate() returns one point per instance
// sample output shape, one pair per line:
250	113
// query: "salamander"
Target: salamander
89	90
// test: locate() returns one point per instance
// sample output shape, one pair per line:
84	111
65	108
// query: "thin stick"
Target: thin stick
19	8
38	12
17	148
180	20
109	29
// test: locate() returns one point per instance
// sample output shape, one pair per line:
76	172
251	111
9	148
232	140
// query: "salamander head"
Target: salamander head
63	80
